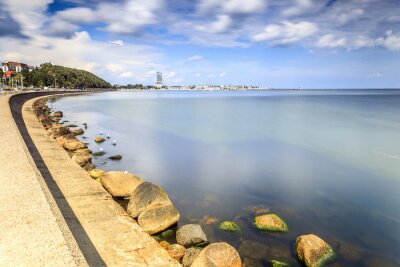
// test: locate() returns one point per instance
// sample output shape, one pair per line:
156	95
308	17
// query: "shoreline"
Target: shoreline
103	232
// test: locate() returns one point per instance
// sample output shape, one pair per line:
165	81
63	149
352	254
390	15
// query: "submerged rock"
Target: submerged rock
78	132
270	222
99	153
191	235
176	251
157	219
120	184
96	173
190	255
115	157
218	255
229	226
99	139
312	250
207	220
249	262
58	114
72	125
145	196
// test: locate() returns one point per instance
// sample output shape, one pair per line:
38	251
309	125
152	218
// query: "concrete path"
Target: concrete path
55	214
31	234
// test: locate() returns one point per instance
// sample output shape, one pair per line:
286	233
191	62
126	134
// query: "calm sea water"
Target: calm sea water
327	162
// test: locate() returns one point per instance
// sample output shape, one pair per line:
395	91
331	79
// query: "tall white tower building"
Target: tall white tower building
159	81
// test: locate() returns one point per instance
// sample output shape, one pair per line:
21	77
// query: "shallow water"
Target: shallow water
327	162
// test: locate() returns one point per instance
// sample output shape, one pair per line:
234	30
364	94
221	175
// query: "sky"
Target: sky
268	43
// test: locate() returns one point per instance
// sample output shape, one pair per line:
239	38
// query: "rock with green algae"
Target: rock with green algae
312	250
270	222
115	157
229	226
99	153
275	263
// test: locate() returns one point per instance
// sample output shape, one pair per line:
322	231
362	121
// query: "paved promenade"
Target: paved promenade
53	213
30	232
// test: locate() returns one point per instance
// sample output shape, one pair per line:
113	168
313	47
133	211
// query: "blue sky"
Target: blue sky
279	44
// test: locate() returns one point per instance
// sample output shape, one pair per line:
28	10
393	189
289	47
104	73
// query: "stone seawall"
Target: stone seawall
102	230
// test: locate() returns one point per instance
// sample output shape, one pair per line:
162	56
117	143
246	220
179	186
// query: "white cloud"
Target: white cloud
376	74
300	7
195	58
81	51
29	14
394	19
331	41
391	41
117	42
197	74
222	74
232	6
286	32
221	25
352	15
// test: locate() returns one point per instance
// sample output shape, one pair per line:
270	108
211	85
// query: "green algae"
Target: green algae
275	263
229	226
270	222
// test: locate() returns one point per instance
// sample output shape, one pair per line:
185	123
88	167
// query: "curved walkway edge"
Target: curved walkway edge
101	228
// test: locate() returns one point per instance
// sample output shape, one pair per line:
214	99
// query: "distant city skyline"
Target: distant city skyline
278	44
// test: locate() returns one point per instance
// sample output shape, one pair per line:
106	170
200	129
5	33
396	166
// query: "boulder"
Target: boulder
58	114
73	144
157	219
99	139
270	222
58	131
312	250
218	255
191	235
176	251
120	184
78	132
145	196
45	121
82	158
62	139
88	167
190	255
84	150
96	174
229	226
164	244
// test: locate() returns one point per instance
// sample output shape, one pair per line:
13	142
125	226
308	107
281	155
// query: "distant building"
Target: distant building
15	67
159	80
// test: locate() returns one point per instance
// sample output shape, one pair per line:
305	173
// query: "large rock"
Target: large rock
157	219
270	222
218	255
176	251
120	184
145	196
190	235
190	255
62	139
58	131
73	144
82	158
312	250
45	121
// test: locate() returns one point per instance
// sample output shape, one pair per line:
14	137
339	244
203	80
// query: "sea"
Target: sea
326	161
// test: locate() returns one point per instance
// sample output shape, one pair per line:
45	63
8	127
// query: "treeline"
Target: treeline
48	75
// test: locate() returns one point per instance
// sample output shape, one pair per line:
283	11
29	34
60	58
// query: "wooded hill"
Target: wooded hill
48	75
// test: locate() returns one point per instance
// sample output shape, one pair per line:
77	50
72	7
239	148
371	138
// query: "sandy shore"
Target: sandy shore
99	228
